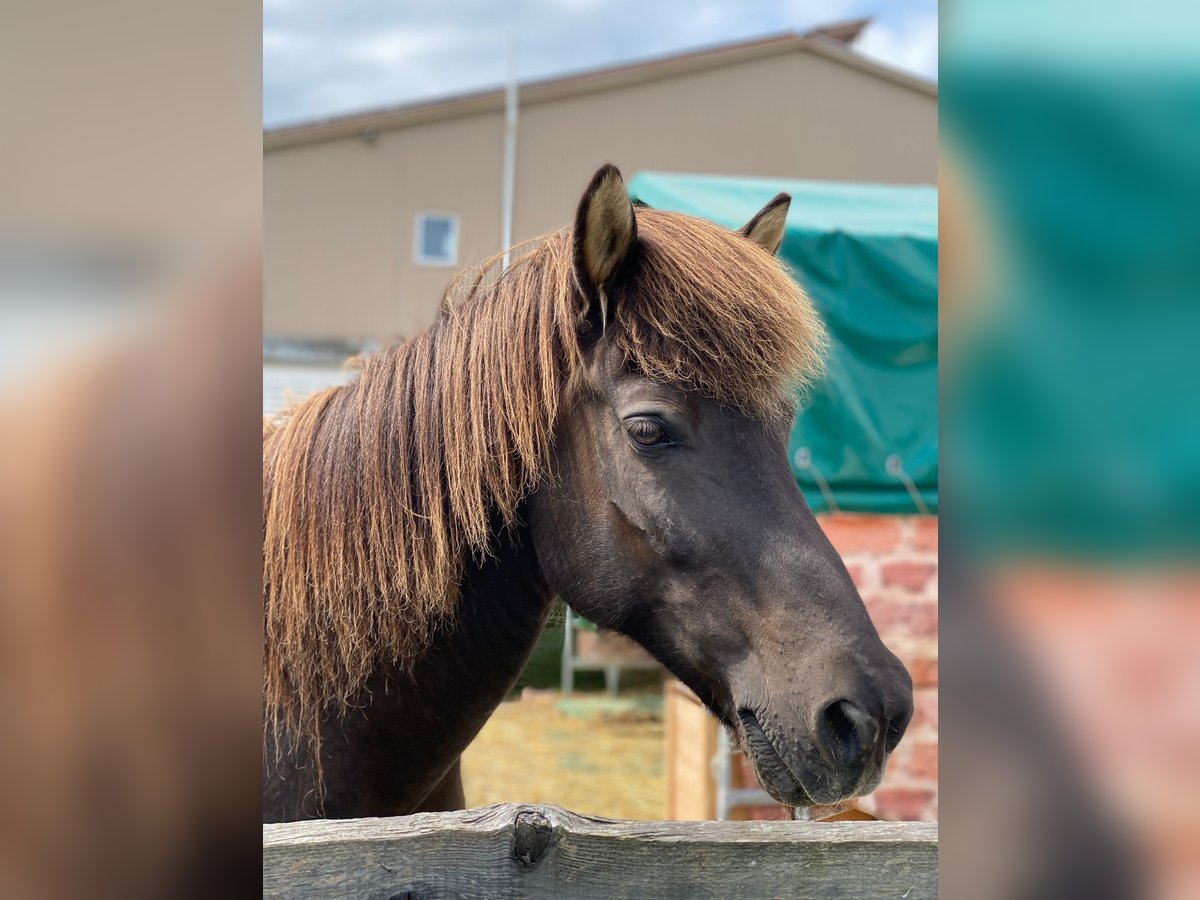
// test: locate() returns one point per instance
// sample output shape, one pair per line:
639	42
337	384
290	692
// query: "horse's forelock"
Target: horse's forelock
713	311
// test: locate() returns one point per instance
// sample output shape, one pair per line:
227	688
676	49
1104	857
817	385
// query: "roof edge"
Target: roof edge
838	52
369	123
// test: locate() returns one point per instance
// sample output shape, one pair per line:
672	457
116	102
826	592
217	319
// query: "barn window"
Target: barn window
436	240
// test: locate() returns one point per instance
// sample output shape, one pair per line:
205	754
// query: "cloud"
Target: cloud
910	44
323	58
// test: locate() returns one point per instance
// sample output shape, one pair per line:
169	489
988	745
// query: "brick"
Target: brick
924	671
899	617
925	534
909	575
922	762
858	574
742	774
905	804
862	534
925	711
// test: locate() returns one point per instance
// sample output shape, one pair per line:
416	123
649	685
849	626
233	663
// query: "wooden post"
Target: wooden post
511	850
691	745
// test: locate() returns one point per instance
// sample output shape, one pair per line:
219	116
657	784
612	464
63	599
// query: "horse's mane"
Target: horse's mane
378	491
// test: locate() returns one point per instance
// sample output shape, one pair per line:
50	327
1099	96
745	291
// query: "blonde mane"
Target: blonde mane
377	493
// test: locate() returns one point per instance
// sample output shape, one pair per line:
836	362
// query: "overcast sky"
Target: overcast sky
325	57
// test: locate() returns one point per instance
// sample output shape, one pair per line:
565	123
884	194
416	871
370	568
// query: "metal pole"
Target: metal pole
719	768
510	147
567	681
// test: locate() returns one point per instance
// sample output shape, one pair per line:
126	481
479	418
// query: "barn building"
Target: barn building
369	215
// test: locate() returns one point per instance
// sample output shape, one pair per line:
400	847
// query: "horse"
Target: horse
603	420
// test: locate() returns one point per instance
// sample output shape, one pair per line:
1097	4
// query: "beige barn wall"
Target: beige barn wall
796	116
327	260
452	166
340	213
339	229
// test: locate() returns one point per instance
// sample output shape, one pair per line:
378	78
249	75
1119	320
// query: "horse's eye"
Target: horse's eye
647	432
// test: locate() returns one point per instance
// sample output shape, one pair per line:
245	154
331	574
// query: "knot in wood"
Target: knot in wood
532	832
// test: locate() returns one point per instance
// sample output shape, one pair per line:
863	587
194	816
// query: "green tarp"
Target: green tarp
1078	355
868	256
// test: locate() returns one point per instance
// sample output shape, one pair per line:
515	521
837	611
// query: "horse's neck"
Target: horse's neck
417	726
500	616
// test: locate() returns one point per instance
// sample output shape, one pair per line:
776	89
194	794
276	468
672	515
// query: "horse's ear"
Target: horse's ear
769	223
605	233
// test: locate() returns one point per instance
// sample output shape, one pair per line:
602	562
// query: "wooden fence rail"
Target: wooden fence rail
516	850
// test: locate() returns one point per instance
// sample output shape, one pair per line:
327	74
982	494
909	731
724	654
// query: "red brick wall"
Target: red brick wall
894	562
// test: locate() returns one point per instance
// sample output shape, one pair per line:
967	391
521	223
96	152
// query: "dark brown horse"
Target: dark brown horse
606	420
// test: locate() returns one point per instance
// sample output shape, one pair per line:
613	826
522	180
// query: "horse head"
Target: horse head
671	513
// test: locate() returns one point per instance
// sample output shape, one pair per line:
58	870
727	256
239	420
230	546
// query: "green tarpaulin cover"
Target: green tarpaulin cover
868	256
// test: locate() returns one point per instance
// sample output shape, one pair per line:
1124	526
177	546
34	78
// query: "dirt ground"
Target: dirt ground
588	753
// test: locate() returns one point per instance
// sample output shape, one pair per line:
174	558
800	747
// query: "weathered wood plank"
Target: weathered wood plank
514	850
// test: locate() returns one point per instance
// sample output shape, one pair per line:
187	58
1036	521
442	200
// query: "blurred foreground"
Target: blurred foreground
130	535
1071	494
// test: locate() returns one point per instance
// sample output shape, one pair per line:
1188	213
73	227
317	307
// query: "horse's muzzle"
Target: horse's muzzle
776	777
844	756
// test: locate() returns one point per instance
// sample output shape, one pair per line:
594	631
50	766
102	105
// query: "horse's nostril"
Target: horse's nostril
847	732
